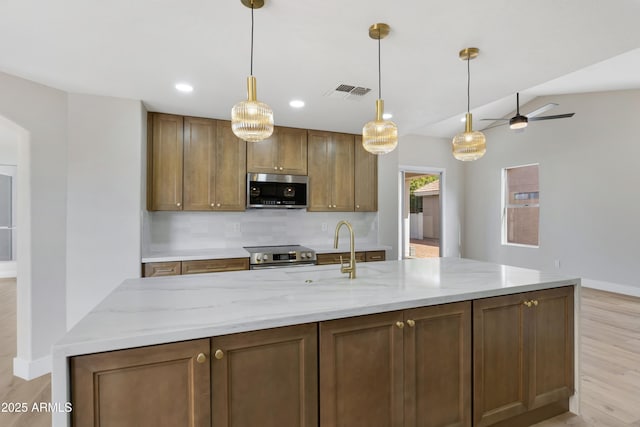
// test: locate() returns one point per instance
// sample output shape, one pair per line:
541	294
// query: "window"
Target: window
521	205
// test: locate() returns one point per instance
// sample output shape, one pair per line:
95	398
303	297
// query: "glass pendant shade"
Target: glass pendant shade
469	145
252	120
379	136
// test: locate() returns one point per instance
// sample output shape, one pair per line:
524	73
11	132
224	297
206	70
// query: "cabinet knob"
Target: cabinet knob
275	168
281	168
219	354
334	206
213	204
329	206
400	324
357	206
535	302
201	358
528	303
218	205
178	204
411	323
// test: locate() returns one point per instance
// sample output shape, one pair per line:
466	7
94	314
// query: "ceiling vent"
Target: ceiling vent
345	91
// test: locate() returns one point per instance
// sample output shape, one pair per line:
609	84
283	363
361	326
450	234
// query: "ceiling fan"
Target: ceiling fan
520	122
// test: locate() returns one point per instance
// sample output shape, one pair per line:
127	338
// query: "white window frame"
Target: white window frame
504	197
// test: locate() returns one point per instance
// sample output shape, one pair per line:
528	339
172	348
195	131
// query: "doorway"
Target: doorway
422	213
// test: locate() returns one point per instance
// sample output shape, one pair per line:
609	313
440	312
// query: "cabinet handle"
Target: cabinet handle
400	324
535	302
178	204
201	358
411	323
219	354
528	303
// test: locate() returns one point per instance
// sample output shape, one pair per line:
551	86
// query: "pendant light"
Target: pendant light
379	136
252	120
469	145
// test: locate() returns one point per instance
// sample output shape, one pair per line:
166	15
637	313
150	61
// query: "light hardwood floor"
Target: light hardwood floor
610	328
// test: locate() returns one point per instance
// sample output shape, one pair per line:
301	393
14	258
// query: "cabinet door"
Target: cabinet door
199	161
341	158
320	184
372	256
437	376
230	170
550	322
334	258
499	373
165	162
292	151
266	378
164	385
262	155
155	269
361	363
366	179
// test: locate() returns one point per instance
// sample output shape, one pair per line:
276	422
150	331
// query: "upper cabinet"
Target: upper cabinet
285	152
366	179
331	171
195	164
164	180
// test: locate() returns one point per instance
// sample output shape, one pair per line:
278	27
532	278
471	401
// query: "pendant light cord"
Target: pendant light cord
468	84
251	67
379	69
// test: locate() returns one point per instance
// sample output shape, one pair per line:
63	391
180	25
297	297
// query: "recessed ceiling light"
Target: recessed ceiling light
296	103
184	87
387	116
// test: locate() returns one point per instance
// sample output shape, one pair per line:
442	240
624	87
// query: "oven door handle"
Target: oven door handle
264	267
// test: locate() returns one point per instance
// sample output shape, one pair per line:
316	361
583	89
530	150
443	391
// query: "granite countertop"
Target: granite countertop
218	253
165	309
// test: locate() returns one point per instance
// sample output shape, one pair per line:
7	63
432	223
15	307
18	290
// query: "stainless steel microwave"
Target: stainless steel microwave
277	191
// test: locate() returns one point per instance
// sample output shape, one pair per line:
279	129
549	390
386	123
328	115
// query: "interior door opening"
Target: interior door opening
422	214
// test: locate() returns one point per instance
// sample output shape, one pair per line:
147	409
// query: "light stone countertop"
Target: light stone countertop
157	310
218	253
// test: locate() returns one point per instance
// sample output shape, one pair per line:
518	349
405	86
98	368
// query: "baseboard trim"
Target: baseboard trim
8	270
617	288
30	369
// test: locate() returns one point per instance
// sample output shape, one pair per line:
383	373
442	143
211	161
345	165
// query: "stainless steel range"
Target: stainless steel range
280	256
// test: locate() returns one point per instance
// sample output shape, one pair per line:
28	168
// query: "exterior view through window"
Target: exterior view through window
521	205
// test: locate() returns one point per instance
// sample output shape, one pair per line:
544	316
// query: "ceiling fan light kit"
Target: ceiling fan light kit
252	120
379	136
469	145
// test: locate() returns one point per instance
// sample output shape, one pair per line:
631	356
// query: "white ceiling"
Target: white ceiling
140	48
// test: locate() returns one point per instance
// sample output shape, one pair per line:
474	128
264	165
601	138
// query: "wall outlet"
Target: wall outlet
556	263
324	226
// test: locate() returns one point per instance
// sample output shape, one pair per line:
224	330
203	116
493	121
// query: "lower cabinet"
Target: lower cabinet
266	378
523	357
334	258
403	368
173	268
163	385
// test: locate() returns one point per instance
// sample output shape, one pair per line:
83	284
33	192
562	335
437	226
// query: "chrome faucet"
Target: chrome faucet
351	268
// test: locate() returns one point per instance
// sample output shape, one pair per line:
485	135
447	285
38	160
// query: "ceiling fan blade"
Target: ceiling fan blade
559	116
495	120
541	110
496	126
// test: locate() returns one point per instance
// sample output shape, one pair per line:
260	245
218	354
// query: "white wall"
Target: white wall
8	146
104	194
589	197
419	153
39	113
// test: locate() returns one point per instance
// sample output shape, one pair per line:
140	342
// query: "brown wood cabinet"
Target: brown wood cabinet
266	378
331	172
172	268
156	269
195	165
361	256
404	368
214	265
523	356
366	179
164	156
285	152
164	385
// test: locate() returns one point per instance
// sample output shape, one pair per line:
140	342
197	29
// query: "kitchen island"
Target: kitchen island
156	311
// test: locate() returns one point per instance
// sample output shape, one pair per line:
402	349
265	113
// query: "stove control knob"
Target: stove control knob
265	257
303	255
258	257
309	255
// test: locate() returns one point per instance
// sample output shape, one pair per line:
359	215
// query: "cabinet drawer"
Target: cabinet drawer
214	265
323	259
375	256
155	269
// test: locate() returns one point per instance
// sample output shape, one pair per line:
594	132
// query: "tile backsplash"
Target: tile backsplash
166	231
